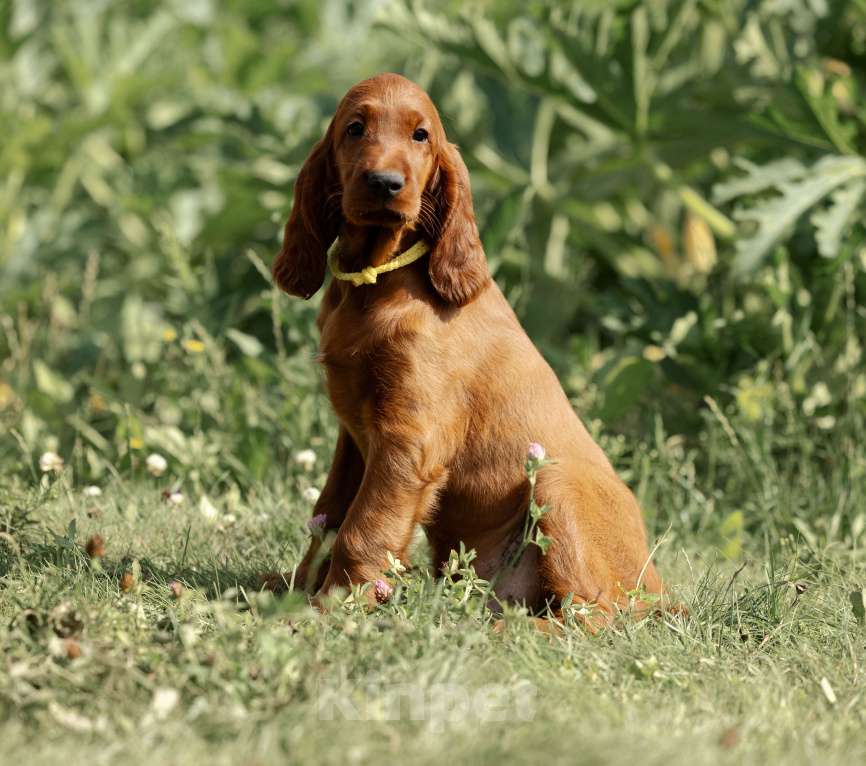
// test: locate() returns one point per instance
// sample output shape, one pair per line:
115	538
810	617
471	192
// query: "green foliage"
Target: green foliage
606	153
147	162
653	184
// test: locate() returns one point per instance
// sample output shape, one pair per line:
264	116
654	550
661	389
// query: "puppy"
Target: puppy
436	386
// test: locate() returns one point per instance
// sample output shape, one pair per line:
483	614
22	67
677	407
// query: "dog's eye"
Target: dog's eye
355	129
419	135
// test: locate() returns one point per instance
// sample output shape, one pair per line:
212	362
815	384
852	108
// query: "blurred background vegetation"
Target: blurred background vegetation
671	193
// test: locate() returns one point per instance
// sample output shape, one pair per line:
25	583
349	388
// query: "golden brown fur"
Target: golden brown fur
437	388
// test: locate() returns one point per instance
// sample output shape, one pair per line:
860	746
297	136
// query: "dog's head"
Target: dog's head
384	162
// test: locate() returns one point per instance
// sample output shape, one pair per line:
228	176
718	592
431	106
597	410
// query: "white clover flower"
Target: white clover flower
50	462
164	701
175	497
207	508
92	491
826	422
156	464
311	494
306	458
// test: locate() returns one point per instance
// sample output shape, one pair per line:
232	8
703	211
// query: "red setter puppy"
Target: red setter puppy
437	388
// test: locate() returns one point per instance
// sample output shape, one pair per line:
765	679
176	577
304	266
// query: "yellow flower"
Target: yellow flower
7	396
169	335
97	402
193	346
136	443
754	398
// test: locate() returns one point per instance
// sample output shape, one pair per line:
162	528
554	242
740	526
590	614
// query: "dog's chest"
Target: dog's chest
363	367
352	383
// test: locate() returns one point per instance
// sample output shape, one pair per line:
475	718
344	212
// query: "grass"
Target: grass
766	669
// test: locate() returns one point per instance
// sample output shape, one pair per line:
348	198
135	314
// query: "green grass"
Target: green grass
766	669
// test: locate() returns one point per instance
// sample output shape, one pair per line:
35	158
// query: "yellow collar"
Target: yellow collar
368	276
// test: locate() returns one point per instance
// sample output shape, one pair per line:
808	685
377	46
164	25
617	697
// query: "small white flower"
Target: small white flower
56	646
164	701
92	491
311	494
50	462
156	464
306	458
827	422
175	498
207	508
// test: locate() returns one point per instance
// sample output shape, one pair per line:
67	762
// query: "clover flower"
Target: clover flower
50	462
316	525
92	491
311	494
95	547
535	453
164	701
306	458
127	582
156	464
207	508
383	591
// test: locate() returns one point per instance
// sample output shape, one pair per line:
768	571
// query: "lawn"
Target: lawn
163	650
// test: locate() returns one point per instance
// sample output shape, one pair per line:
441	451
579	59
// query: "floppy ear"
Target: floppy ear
313	224
458	269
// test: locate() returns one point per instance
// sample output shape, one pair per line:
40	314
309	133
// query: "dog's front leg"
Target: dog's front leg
398	490
341	486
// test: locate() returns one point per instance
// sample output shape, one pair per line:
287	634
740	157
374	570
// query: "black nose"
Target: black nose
385	182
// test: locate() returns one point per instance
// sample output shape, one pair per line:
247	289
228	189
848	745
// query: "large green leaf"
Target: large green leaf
799	189
831	223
